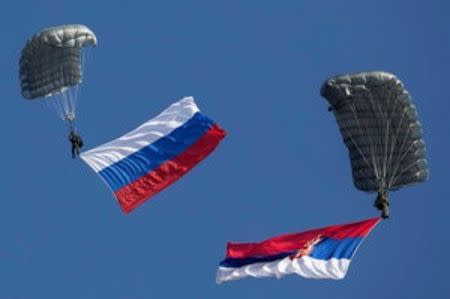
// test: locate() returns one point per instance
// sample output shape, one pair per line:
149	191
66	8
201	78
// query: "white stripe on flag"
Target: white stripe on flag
166	122
306	266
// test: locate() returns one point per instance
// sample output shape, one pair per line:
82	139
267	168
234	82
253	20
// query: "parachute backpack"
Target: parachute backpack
51	69
382	132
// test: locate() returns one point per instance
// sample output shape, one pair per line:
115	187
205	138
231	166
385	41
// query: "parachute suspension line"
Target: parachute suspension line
395	168
72	99
406	168
83	65
75	94
347	132
389	143
71	103
59	100
397	165
373	136
69	100
382	201
76	90
387	126
64	103
393	139
377	159
374	166
392	163
385	152
55	103
383	122
372	144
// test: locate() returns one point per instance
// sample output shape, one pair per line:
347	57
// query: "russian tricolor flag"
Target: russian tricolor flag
143	162
318	253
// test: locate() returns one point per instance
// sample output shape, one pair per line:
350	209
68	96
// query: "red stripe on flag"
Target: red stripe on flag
142	189
290	242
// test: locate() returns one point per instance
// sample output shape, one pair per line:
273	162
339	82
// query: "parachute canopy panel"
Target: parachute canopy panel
381	129
51	60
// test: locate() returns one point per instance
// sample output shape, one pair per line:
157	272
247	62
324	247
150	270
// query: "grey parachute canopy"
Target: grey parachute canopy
381	129
51	65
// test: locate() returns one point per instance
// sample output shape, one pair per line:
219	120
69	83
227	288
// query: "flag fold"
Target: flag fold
143	162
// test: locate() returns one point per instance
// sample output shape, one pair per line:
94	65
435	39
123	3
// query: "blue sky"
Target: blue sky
256	68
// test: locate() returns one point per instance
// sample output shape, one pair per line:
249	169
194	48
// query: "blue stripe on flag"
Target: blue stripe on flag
324	250
152	156
240	262
332	248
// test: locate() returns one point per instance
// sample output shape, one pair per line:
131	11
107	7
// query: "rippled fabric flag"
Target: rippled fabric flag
143	162
319	253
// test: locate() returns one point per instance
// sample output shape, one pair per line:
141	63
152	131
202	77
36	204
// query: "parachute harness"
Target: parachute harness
75	140
382	204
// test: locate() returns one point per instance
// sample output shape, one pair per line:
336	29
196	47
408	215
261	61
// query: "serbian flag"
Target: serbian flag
143	162
318	253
